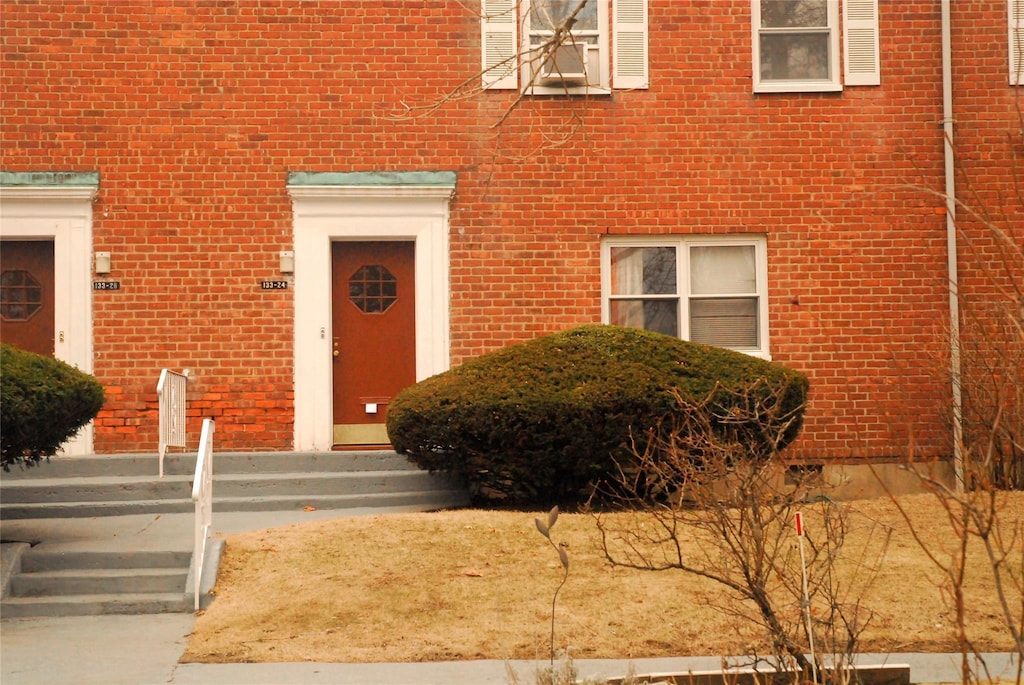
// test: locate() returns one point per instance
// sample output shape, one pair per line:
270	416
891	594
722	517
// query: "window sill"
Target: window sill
568	90
798	87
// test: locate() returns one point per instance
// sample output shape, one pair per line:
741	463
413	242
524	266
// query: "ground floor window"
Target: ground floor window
708	289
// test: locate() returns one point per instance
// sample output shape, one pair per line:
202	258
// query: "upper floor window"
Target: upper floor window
796	45
550	47
707	289
564	45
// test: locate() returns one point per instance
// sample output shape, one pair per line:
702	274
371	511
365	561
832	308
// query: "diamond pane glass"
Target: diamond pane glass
20	295
373	289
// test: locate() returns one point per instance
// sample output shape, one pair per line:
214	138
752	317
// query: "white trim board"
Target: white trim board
323	214
62	214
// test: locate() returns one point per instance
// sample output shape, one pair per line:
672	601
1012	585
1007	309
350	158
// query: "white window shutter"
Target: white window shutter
500	46
1016	9
860	41
629	44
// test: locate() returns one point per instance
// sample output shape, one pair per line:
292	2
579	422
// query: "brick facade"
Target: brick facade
194	113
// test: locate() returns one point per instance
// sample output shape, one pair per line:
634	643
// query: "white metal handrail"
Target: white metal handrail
202	495
170	393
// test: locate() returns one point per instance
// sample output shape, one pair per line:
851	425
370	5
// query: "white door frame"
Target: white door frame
63	214
329	207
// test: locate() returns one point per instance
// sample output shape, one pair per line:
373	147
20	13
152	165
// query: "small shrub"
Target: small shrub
43	402
547	419
544	527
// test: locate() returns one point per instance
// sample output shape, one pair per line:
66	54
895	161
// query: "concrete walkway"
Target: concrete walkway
144	650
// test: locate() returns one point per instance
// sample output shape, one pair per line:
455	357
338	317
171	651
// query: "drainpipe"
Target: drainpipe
951	245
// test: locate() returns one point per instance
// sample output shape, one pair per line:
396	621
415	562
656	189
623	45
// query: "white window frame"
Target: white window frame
682	245
830	84
61	214
1015	19
372	206
622	48
603	85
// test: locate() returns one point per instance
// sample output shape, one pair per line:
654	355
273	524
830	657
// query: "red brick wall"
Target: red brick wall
989	136
194	112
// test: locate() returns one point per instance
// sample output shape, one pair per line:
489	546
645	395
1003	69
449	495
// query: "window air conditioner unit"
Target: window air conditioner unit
566	64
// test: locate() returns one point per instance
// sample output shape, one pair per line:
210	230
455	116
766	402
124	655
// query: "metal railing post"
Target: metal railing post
202	495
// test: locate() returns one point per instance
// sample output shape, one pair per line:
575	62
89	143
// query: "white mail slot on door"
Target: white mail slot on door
374	405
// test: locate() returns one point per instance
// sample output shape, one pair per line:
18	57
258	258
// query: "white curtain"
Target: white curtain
718	274
627	271
723	270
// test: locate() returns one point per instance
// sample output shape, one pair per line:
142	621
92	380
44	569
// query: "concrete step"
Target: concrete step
96	488
69	580
345	483
66	582
98	582
119	485
227	485
425	500
92	605
433	498
184	464
41	558
60	509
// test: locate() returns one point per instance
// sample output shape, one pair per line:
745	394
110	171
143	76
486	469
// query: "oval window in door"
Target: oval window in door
373	289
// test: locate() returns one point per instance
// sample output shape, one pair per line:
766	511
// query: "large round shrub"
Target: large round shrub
546	419
43	402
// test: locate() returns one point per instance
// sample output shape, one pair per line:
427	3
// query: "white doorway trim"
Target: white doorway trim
329	207
59	208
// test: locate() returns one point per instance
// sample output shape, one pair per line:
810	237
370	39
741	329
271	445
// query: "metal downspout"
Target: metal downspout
951	244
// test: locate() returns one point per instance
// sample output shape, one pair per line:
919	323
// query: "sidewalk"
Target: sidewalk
144	650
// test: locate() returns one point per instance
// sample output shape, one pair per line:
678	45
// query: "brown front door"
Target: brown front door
374	329
26	295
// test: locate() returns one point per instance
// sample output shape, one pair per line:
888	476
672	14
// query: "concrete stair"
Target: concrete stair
126	484
105	534
90	583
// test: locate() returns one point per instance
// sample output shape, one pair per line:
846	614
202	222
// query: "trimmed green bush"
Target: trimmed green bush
547	419
43	402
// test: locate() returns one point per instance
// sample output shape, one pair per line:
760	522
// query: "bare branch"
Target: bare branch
706	484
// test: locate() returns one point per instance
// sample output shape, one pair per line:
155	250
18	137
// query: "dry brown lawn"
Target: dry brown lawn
478	585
